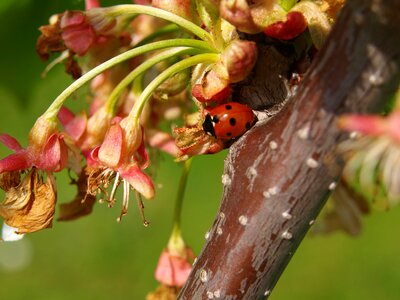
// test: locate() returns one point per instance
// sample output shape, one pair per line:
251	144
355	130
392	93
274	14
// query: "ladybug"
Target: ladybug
228	121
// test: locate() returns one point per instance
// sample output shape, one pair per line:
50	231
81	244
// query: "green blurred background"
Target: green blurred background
98	258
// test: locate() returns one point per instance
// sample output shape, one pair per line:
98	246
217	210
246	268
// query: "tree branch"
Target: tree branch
277	176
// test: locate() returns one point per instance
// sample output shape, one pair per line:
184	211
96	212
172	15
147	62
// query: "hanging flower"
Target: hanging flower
373	164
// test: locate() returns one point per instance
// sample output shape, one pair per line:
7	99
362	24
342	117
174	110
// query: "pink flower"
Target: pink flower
121	157
174	270
46	150
373	125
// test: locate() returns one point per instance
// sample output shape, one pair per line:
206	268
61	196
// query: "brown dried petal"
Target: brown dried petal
30	206
82	204
9	180
50	41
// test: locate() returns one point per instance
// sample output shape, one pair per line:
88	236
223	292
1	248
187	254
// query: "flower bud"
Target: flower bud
239	59
293	26
182	8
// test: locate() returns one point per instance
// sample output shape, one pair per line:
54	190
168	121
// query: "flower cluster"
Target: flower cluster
372	171
149	66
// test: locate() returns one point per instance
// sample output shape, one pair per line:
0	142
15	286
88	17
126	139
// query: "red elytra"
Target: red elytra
228	121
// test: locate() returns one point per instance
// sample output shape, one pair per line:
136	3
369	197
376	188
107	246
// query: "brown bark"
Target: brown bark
277	176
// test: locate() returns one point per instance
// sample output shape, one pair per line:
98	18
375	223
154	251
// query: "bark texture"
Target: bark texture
278	176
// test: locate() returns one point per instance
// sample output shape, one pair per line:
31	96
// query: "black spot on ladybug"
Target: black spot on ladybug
228	107
248	125
215	119
232	121
229	133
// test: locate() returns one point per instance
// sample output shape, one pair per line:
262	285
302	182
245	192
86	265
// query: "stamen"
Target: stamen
141	209
114	189
125	201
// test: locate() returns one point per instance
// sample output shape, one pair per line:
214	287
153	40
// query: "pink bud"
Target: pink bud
294	25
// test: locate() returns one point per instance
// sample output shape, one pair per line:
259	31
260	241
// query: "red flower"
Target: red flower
46	150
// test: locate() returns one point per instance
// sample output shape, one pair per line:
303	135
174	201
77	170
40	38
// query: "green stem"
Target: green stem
164	30
113	99
176	229
136	111
52	111
125	9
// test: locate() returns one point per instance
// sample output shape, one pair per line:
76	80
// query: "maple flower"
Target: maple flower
373	166
122	156
29	204
46	150
175	262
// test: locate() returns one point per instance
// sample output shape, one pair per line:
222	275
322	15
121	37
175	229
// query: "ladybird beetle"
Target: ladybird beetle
228	121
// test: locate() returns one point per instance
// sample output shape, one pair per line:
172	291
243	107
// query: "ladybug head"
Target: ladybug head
208	126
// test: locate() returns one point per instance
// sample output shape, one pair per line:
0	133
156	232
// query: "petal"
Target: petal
163	141
54	156
172	270
89	4
65	116
77	126
138	180
15	162
142	155
111	148
10	142
370	125
9	234
78	35
30	206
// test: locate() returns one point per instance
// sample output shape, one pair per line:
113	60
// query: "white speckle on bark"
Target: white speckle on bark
304	132
271	192
210	295
194	261
222	215
243	220
267	293
312	163
217	294
219	231
226	180
311	222
286	215
332	186
203	275
273	145
376	79
287	235
207	235
252	171
353	135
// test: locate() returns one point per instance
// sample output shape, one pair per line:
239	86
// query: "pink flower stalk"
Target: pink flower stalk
293	26
174	270
46	151
373	125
